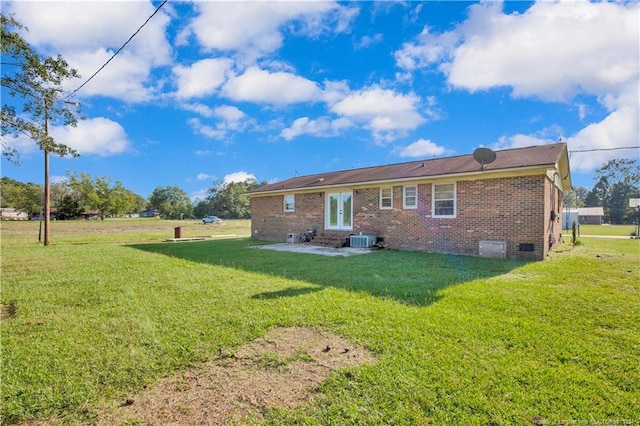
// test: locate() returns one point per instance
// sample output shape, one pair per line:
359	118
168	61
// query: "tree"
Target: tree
25	197
172	202
69	207
137	203
124	201
616	182
201	208
575	198
97	194
92	192
228	201
34	85
60	191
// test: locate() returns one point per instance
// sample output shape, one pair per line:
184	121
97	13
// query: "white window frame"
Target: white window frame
289	206
389	198
405	197
434	199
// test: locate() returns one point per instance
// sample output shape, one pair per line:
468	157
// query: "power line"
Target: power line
122	47
605	149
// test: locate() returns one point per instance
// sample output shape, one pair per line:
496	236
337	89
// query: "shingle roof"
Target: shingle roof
530	157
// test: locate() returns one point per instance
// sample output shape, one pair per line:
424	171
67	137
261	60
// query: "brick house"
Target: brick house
508	208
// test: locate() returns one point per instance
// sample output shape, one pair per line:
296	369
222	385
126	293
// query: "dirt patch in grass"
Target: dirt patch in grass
282	369
7	310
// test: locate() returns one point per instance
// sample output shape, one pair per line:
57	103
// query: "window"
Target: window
386	198
410	197
289	203
444	200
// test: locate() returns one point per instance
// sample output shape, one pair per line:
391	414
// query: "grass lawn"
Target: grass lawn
612	230
110	308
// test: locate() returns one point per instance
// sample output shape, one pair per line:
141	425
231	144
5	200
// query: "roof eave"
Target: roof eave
451	176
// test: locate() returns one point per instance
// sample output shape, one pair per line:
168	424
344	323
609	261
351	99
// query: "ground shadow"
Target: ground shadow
413	278
287	292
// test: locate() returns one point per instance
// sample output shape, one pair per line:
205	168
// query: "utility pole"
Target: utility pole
47	187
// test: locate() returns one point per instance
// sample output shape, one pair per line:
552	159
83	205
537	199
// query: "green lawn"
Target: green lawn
613	230
110	308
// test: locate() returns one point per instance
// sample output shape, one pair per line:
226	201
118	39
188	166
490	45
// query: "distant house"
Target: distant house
150	213
590	215
53	214
510	207
13	214
90	215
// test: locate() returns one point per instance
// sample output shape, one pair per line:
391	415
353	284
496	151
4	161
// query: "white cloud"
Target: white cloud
202	78
519	141
421	148
367	41
276	88
255	29
582	111
553	51
201	109
335	91
230	118
550	50
209	153
618	129
205	130
88	33
383	111
230	114
204	176
304	125
428	49
237	177
322	127
125	78
96	136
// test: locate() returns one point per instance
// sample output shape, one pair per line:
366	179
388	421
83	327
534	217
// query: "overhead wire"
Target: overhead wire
121	47
604	149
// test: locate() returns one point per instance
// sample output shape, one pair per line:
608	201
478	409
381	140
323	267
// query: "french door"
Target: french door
339	211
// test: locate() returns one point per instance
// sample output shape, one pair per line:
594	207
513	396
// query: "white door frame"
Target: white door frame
340	219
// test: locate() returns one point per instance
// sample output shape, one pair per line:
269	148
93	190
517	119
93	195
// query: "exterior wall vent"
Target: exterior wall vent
497	249
362	241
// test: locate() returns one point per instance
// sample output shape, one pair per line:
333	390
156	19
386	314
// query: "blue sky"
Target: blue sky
212	91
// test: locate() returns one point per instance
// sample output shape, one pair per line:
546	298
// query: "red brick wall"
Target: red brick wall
270	222
553	227
515	210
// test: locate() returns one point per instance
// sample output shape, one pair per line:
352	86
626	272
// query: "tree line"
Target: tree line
616	182
80	193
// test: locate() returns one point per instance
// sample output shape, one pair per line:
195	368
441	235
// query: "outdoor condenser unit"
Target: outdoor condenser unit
363	241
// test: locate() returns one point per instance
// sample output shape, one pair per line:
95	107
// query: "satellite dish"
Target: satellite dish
484	156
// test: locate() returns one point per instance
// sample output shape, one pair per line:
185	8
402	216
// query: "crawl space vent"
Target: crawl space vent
497	249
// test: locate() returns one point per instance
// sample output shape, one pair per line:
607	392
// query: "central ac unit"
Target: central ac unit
362	241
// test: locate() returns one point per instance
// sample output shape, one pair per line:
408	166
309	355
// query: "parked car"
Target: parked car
211	219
